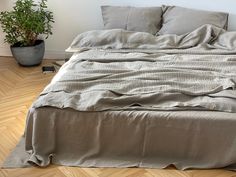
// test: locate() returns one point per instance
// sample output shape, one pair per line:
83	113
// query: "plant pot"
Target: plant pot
30	55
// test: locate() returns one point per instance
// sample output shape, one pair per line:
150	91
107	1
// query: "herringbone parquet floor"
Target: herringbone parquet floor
19	86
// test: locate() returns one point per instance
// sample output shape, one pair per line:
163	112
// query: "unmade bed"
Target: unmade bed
137	100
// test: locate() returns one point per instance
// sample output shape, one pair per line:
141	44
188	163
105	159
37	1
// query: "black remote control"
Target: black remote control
48	69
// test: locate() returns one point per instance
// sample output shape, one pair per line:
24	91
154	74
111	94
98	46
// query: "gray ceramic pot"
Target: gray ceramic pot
30	55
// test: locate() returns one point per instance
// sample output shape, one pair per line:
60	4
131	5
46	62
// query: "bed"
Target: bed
132	99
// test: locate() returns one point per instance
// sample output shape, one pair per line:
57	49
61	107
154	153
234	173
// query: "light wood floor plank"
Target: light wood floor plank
19	86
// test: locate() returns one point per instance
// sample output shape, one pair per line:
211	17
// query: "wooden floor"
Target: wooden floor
19	86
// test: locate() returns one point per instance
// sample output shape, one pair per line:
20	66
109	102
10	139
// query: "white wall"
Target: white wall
4	48
75	16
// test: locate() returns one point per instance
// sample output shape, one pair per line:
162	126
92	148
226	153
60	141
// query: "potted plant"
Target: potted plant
24	26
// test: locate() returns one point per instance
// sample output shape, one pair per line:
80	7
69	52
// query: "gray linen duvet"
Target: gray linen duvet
131	101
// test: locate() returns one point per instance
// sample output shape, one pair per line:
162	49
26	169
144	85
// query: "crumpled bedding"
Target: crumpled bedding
166	100
206	38
146	80
134	81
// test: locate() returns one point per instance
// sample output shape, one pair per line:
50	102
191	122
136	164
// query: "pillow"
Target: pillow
141	19
180	20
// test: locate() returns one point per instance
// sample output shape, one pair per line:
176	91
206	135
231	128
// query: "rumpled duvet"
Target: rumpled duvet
205	39
130	99
143	81
147	80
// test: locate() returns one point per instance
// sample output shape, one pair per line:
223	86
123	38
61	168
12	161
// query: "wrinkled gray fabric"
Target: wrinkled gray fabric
142	81
134	108
206	37
180	20
146	19
151	139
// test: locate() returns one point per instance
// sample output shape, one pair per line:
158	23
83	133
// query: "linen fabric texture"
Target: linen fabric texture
143	19
180	20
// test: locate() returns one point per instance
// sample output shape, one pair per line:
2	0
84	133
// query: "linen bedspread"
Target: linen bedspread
166	100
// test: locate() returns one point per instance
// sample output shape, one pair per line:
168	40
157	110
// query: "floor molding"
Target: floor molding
5	51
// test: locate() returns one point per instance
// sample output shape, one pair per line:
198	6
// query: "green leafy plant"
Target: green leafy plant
26	22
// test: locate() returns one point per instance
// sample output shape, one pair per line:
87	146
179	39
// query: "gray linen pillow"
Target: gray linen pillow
180	20
141	19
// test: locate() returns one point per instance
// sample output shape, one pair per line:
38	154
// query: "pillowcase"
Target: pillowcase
180	20
141	19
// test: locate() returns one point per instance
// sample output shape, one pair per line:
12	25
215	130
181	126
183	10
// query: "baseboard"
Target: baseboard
49	54
5	51
55	54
